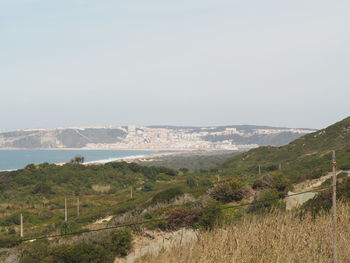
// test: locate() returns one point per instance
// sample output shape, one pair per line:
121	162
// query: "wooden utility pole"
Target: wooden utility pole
334	200
21	231
259	170
65	210
78	204
131	192
280	166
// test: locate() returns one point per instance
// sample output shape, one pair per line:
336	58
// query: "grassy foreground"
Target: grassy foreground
275	237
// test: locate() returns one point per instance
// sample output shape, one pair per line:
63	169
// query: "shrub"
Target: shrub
166	195
191	182
78	159
210	216
184	170
29	217
35	252
7	242
67	228
122	241
259	207
205	182
125	207
87	253
278	181
11	231
228	191
148	187
30	166
182	217
42	188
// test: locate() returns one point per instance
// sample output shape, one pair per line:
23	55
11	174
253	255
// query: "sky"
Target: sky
184	62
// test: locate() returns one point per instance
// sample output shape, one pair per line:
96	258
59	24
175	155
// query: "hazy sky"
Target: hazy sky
180	62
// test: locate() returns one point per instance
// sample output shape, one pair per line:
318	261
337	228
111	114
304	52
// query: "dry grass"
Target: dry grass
277	237
101	188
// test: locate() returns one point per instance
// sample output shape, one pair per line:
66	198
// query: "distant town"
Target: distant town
240	137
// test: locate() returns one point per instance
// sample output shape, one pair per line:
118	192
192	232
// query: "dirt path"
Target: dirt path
295	201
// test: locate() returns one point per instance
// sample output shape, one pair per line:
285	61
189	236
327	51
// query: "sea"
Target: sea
18	159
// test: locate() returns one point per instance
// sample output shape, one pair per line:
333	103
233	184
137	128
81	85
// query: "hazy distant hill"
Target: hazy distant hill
154	137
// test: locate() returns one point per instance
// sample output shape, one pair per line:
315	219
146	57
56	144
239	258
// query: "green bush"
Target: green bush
125	207
89	253
86	253
14	219
122	241
39	252
191	182
205	182
280	182
7	242
42	188
259	205
182	217
228	191
66	228
36	252
166	195
206	217
184	170
149	186
210	216
277	181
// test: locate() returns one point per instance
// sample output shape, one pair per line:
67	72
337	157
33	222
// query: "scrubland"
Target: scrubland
274	237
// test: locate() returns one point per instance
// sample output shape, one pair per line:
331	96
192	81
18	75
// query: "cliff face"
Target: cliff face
156	137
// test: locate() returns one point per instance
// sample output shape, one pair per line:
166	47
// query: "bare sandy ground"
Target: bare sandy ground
152	242
295	201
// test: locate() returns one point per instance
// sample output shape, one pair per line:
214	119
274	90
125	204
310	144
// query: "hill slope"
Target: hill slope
306	157
274	237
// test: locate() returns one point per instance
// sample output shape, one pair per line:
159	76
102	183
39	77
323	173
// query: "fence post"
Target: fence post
65	210
21	230
78	208
334	201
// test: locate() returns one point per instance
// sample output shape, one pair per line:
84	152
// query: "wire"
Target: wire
278	198
94	230
167	218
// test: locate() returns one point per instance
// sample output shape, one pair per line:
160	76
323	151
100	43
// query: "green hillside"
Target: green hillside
304	158
187	198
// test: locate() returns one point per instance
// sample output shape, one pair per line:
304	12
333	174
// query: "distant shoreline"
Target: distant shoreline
18	159
141	158
133	158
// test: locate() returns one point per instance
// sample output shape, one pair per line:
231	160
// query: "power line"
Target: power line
167	218
278	198
94	230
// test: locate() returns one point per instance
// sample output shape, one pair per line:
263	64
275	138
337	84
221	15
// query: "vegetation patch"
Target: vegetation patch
228	191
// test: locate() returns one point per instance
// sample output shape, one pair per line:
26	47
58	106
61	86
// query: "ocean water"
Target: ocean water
17	159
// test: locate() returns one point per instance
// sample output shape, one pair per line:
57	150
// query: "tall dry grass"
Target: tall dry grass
276	237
